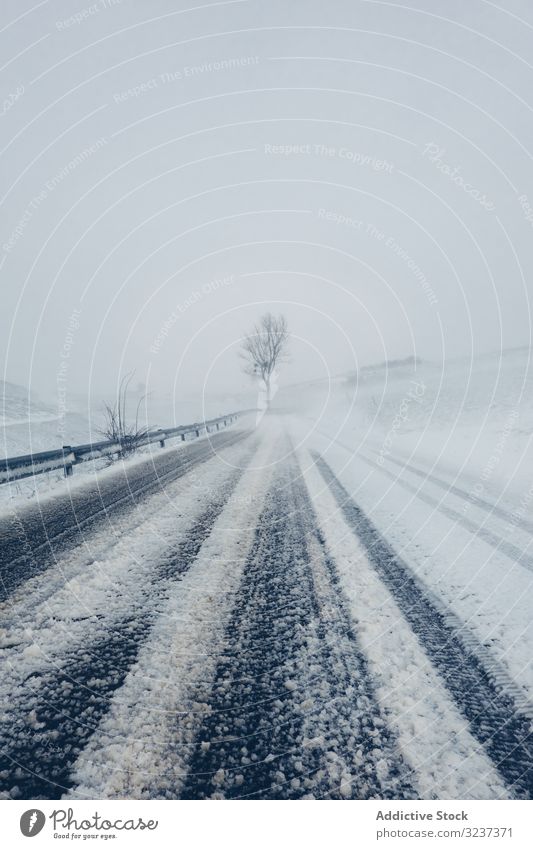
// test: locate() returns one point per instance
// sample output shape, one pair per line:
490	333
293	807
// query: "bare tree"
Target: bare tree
265	347
128	434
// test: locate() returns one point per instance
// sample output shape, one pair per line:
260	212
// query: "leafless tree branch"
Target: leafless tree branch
265	347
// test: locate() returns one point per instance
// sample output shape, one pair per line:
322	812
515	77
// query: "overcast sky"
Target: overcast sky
172	170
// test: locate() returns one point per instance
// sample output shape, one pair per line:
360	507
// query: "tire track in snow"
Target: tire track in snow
142	746
498	543
292	713
33	537
487	597
494	718
463	495
434	737
59	710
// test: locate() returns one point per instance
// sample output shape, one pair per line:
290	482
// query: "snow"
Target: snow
447	761
485	588
27	425
87	591
471	429
141	748
44	487
473	418
443	473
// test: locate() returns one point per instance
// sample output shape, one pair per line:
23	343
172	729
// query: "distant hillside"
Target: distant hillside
28	425
17	405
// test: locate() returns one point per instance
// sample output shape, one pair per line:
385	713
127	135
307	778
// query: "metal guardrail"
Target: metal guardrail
28	465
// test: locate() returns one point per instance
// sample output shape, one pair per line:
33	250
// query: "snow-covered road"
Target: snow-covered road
34	537
246	622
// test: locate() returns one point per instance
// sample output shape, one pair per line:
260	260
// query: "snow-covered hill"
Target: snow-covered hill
472	416
17	406
28	425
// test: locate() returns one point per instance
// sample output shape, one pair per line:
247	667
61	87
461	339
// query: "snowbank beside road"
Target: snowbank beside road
42	487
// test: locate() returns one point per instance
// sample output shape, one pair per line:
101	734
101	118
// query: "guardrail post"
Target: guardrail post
69	468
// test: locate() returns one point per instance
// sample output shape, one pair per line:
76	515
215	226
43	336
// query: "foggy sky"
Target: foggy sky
171	171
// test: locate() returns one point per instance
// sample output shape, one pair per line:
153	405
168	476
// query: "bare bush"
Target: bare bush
129	435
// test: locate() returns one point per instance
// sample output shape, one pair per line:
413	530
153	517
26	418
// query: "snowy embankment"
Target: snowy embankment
41	429
470	419
43	487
